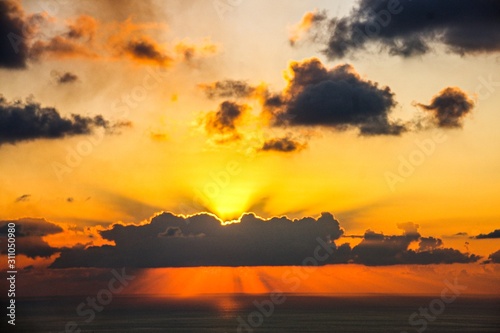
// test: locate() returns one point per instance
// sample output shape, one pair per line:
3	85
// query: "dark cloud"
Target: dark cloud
285	145
29	233
67	77
223	122
338	98
25	121
147	50
14	30
449	107
408	28
201	240
70	200
227	89
495	257
60	47
493	234
24	197
378	249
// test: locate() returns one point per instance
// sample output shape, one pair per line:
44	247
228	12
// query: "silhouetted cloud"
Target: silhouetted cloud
493	234
338	98
25	121
146	49
449	107
29	233
495	257
13	35
378	249
201	240
223	121
409	28
66	77
169	240
227	89
24	197
285	145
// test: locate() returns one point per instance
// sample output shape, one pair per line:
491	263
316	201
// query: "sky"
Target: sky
173	137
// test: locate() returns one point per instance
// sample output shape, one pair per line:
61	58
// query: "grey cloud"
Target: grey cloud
170	241
26	121
409	28
29	233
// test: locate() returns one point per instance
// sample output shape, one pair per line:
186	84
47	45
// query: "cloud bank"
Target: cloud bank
168	240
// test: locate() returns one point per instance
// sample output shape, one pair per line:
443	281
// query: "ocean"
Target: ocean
261	313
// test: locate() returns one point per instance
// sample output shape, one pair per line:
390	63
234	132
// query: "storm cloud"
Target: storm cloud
29	233
337	98
26	121
409	28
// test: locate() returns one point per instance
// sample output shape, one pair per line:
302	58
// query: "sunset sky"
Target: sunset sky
169	135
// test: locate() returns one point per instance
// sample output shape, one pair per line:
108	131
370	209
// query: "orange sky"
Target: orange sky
167	107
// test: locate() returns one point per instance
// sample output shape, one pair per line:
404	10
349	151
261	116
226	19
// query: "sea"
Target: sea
257	313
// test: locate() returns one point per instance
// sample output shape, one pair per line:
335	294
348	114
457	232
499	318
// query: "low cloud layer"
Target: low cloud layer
29	233
26	121
411	28
493	234
201	240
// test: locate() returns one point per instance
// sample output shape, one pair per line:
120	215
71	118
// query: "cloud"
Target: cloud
174	241
337	98
83	27
66	78
309	21
493	234
29	236
145	49
23	198
227	89
495	257
378	249
223	122
26	121
169	240
449	108
14	30
190	51
409	28
285	145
